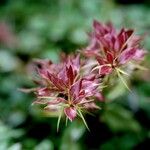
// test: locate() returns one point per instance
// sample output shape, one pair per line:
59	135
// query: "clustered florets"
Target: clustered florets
113	49
73	86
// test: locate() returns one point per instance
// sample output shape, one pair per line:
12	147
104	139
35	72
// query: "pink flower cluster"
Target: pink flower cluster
113	49
73	86
66	86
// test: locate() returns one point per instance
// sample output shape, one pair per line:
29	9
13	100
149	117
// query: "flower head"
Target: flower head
65	88
113	49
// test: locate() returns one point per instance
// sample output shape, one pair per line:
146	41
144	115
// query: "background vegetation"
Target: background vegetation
42	29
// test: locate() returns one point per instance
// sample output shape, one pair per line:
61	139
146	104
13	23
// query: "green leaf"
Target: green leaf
45	145
16	146
80	114
122	79
120	119
115	92
125	142
8	62
59	118
52	53
122	71
71	136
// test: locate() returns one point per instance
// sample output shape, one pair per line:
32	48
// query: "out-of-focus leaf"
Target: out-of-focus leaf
144	88
30	42
16	146
125	142
133	100
16	118
6	135
78	36
52	54
8	62
29	143
90	7
118	90
4	145
45	145
135	14
39	23
58	29
120	119
71	136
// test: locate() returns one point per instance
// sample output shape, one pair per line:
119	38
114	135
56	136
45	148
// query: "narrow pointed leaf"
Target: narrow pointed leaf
59	118
83	119
123	80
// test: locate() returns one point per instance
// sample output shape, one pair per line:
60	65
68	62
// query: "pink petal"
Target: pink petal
100	60
76	88
52	108
70	112
70	74
40	101
134	41
76	62
127	55
43	92
121	39
104	70
139	55
98	27
90	88
110	28
93	48
105	41
63	74
91	106
117	45
102	29
56	101
43	73
56	81
26	90
123	36
110	58
128	33
99	96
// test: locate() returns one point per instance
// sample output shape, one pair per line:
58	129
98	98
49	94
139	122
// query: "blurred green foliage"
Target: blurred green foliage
42	29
